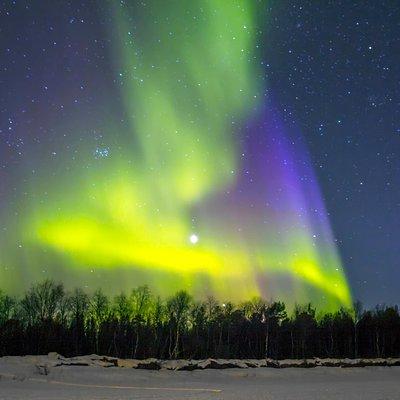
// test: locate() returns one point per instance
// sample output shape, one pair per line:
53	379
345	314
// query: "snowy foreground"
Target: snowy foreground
95	377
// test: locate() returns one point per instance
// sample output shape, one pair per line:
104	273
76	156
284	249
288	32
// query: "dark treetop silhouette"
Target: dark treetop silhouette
140	325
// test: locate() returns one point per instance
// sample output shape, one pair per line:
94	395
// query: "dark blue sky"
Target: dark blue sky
335	68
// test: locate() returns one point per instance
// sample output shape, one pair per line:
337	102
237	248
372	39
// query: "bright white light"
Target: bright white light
193	238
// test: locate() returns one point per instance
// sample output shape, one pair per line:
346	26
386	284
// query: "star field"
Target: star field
331	69
335	70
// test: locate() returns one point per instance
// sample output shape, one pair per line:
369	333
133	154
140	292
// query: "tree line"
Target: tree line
141	325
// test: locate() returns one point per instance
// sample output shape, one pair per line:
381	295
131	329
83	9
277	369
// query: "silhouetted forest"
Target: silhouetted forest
140	325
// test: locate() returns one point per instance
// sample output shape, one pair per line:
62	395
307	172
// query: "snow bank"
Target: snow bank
43	364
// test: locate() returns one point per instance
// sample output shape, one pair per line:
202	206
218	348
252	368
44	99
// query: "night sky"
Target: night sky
327	71
335	68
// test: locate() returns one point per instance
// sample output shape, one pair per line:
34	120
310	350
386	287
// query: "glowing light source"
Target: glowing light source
193	238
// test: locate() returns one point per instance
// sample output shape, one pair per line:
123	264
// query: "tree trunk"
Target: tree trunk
136	343
266	340
292	342
355	340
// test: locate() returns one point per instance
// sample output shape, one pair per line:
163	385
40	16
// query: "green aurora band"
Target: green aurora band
192	86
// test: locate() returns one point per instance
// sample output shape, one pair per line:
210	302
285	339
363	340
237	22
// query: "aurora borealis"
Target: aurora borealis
190	179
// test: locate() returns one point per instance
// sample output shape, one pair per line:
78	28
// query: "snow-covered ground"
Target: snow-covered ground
21	378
